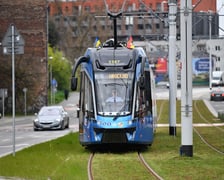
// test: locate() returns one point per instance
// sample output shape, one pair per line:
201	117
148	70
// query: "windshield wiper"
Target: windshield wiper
119	113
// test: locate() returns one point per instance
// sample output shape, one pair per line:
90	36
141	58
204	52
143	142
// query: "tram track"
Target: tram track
143	162
89	167
196	128
148	168
204	140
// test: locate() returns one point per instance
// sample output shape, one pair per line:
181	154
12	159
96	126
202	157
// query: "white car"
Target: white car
51	117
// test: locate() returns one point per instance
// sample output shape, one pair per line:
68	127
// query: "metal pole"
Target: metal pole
186	148
210	56
172	67
25	102
13	86
51	83
25	90
3	103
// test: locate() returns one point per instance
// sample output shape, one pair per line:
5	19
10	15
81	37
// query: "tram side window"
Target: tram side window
139	103
87	95
148	96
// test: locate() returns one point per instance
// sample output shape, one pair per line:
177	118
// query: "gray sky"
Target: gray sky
220	6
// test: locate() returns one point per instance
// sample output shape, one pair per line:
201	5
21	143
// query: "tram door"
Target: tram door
86	102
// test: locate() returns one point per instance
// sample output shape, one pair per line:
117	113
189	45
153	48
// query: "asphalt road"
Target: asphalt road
25	136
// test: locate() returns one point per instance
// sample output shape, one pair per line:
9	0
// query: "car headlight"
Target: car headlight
36	120
58	120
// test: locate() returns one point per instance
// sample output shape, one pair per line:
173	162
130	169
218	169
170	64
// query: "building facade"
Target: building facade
31	68
141	19
146	20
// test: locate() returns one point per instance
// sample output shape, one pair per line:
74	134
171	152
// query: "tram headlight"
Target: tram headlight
130	122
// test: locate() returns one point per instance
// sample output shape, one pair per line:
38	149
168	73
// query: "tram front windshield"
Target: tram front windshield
113	93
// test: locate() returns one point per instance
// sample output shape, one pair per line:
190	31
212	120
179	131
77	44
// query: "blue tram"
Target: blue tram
117	102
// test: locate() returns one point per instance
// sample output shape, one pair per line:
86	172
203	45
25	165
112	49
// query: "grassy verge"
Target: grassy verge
60	159
64	158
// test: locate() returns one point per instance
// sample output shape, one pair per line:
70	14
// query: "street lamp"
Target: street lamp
25	91
210	55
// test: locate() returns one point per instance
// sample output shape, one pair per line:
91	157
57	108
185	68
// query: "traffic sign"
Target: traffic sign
17	50
13	35
18	39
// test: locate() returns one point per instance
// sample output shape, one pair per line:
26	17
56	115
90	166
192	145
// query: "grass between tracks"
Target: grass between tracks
64	158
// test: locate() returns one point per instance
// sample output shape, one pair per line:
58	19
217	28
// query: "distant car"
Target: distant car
51	117
217	94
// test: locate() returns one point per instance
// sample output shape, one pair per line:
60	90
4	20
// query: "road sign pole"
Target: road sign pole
12	45
13	86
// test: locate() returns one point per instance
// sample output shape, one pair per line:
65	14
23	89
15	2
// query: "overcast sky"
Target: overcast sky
220	6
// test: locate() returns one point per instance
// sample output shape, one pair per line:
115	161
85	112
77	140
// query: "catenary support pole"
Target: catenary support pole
186	148
172	67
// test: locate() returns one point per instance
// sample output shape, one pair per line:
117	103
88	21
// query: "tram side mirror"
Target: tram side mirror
74	82
142	82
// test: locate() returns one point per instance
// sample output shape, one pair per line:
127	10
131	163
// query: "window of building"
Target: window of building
128	27
57	19
217	48
87	8
158	6
129	8
74	19
201	47
148	26
140	26
75	9
157	26
142	7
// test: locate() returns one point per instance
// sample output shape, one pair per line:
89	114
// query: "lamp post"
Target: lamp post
25	90
51	85
210	56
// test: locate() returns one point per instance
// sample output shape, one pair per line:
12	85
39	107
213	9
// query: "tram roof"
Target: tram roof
109	56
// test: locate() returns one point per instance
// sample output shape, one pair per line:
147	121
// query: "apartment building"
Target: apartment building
145	20
141	19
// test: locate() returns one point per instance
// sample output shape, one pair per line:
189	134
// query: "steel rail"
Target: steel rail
146	165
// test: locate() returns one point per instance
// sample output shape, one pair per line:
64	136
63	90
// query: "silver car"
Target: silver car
51	117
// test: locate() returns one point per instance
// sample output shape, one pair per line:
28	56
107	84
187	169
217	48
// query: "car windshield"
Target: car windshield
113	93
216	78
49	111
